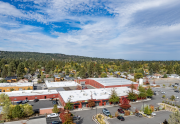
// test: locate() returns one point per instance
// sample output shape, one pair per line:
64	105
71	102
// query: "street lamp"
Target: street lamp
96	110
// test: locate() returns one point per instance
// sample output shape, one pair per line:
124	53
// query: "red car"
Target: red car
120	111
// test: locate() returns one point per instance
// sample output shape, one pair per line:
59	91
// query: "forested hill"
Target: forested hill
49	56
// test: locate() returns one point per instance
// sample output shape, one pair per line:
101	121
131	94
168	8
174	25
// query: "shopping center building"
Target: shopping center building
101	96
106	82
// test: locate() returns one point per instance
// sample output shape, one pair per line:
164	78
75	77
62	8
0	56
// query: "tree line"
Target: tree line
21	63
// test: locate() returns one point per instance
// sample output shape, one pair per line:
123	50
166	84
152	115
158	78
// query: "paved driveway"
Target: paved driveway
49	120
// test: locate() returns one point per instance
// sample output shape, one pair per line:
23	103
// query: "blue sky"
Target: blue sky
120	29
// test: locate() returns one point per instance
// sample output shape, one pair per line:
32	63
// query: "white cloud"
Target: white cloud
105	37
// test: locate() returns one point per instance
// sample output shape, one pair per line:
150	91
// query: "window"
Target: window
36	97
0	90
44	97
3	90
14	98
53	95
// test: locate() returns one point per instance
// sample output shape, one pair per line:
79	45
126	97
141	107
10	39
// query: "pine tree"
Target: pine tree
55	109
91	69
97	69
11	69
20	70
149	92
4	72
82	73
68	105
113	98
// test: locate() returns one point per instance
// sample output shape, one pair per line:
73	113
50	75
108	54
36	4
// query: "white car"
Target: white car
176	97
52	115
163	92
153	114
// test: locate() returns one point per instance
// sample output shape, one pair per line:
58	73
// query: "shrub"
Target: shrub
173	104
162	101
116	114
110	116
163	96
178	106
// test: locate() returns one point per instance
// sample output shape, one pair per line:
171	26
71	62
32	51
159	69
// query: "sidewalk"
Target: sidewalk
87	108
34	121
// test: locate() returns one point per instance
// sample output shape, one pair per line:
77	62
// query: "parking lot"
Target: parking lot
41	104
159	118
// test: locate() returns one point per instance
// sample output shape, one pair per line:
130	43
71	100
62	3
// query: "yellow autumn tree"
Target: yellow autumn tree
27	109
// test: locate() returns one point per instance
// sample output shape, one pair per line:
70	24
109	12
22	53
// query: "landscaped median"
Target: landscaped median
169	107
100	119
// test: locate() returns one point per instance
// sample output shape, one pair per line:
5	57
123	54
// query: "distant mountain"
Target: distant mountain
49	56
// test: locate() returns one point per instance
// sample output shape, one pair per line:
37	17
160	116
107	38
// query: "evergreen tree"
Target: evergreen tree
113	98
11	69
4	72
55	109
68	105
20	70
151	72
165	76
97	69
82	73
91	69
149	92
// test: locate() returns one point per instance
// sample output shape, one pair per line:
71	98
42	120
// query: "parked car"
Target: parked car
106	112
120	118
19	102
54	102
172	85
36	111
52	115
51	99
163	92
138	114
176	97
155	93
55	122
76	117
24	101
36	100
177	84
177	91
120	111
153	114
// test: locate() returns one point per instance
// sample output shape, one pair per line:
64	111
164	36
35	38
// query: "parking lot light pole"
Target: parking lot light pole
96	110
143	106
